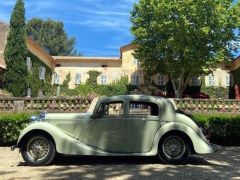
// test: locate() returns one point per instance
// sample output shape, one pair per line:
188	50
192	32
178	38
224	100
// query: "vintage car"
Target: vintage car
129	125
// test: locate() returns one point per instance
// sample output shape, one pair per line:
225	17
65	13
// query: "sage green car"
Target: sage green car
129	125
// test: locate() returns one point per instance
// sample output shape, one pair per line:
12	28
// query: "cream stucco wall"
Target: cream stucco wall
113	71
130	67
220	75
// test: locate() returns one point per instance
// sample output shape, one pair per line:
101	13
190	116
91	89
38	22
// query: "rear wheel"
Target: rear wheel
38	151
173	149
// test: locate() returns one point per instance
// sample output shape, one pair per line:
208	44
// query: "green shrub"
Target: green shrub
118	87
222	128
67	80
11	126
64	91
92	80
33	78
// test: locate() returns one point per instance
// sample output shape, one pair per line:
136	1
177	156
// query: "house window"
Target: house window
56	78
229	80
104	65
135	80
195	81
29	64
42	73
78	79
103	79
211	80
161	80
135	61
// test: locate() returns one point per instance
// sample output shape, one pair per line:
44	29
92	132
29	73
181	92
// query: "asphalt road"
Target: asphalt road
223	164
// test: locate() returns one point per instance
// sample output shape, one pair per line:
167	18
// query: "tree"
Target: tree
93	75
184	38
67	80
15	54
51	36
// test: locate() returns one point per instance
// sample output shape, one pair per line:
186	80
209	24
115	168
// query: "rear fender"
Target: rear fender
200	146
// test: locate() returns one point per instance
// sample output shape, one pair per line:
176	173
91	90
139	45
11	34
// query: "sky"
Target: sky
100	27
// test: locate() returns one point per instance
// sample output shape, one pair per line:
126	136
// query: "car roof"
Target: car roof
134	97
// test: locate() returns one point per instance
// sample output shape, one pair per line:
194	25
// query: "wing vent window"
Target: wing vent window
143	109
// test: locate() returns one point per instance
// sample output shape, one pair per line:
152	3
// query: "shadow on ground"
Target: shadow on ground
221	165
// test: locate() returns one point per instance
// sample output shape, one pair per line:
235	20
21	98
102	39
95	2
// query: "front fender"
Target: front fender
64	143
199	144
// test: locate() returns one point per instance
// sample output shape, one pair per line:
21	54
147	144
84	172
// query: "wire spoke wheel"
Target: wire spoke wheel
174	147
38	148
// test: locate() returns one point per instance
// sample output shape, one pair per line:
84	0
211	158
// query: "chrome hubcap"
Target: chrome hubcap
38	148
173	147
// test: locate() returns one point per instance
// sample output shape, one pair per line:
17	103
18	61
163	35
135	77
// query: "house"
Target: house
111	68
33	49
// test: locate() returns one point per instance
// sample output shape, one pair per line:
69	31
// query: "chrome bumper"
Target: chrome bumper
13	147
216	147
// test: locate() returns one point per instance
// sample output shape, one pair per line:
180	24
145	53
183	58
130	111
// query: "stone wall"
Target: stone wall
48	104
82	105
208	106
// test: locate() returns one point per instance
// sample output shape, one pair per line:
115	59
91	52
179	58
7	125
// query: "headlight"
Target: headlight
41	117
34	118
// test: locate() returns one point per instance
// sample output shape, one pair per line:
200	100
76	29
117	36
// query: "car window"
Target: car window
111	109
143	108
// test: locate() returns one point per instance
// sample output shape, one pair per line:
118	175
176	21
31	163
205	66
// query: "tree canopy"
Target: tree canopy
51	36
184	38
15	53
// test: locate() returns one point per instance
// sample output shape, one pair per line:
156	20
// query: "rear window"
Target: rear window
143	108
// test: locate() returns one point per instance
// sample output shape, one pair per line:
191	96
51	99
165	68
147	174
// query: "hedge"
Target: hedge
11	126
223	129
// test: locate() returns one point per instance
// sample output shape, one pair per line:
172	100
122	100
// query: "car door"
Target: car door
107	130
142	125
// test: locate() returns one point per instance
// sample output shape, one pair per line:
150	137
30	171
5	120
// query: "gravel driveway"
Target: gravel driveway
224	164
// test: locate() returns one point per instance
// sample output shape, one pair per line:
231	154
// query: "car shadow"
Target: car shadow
116	160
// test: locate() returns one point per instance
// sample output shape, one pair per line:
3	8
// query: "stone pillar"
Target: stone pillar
18	105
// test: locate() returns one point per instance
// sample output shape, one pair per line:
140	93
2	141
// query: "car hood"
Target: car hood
67	116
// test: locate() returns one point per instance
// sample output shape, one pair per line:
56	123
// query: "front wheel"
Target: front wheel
38	151
173	149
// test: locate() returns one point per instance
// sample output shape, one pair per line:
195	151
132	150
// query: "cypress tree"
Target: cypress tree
15	53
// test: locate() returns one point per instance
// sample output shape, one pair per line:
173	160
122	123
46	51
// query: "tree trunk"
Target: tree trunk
180	85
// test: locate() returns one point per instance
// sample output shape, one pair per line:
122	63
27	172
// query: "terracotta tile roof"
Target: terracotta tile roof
82	58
